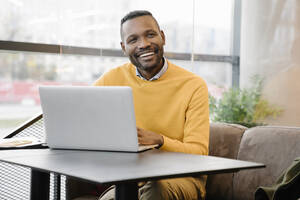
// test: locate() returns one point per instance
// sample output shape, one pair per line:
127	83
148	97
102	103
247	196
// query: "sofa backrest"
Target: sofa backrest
274	146
224	142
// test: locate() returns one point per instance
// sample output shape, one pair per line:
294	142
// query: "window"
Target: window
89	30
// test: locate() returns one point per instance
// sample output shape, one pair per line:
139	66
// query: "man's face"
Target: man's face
143	42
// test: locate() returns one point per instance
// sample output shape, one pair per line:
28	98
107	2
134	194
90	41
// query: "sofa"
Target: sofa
275	146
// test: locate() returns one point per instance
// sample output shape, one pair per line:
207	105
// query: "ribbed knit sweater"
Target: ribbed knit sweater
175	106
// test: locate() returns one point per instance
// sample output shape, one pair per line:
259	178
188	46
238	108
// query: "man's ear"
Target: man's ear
163	37
123	47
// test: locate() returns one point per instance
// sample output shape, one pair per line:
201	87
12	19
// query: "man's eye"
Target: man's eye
131	41
151	35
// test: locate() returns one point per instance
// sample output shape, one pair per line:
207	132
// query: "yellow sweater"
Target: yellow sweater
175	106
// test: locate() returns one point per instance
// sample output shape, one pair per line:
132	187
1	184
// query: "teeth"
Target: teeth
146	54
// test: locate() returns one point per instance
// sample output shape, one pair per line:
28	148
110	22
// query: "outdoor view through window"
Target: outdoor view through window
192	26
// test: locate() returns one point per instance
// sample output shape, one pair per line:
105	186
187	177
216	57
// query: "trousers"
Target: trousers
187	188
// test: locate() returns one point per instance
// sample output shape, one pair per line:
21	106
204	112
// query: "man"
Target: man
171	104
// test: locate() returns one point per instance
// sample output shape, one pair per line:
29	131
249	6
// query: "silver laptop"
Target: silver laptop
90	118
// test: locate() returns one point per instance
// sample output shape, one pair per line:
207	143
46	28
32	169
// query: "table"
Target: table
120	168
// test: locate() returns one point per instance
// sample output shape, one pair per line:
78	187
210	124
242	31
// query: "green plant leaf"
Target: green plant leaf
242	106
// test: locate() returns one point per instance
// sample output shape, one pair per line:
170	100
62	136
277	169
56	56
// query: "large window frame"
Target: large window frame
233	59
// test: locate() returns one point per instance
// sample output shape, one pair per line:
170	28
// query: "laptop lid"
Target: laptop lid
89	117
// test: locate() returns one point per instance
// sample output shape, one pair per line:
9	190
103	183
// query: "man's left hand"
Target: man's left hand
148	137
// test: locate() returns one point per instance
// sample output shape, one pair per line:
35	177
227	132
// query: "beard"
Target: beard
151	65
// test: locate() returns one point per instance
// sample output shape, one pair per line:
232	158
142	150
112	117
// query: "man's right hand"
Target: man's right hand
148	137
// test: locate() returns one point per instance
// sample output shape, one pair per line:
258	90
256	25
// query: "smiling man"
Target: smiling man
171	104
142	42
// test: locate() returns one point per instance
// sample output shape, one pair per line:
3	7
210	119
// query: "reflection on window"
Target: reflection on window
22	73
96	23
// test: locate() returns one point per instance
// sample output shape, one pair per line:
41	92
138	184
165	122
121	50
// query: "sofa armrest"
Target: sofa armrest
275	146
224	142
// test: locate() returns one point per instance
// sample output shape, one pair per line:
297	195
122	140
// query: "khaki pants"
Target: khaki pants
168	189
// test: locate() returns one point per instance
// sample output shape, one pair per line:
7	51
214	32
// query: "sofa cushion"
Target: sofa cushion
274	146
224	142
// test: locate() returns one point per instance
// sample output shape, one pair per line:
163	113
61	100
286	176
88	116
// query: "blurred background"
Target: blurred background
64	42
199	27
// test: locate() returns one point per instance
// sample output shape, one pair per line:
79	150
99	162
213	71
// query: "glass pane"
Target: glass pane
95	23
21	73
213	23
217	75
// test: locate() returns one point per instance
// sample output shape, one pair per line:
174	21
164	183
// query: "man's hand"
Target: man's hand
148	137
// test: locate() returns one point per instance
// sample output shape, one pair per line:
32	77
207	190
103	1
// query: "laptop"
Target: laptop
90	118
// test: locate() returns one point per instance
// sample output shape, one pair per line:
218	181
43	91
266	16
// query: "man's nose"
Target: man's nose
144	43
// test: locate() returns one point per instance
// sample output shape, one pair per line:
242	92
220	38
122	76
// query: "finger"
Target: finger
140	129
139	133
141	140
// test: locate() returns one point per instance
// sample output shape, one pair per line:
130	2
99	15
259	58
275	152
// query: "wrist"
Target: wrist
161	142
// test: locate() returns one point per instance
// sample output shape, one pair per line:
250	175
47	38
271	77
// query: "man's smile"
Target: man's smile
146	54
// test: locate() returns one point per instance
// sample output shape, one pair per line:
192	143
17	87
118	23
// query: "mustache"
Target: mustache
147	49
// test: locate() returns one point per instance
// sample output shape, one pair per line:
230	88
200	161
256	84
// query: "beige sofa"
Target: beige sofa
274	146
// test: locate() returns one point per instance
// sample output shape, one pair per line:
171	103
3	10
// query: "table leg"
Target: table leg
127	191
40	183
56	183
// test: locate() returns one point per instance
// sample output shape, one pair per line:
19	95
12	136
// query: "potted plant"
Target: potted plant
242	106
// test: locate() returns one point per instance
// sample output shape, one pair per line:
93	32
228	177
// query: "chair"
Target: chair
15	180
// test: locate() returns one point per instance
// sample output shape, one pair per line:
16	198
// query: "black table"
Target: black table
122	169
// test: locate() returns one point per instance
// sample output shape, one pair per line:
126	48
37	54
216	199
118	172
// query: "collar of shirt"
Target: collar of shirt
158	75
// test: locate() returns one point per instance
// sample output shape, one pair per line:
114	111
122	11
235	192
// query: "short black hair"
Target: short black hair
134	14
